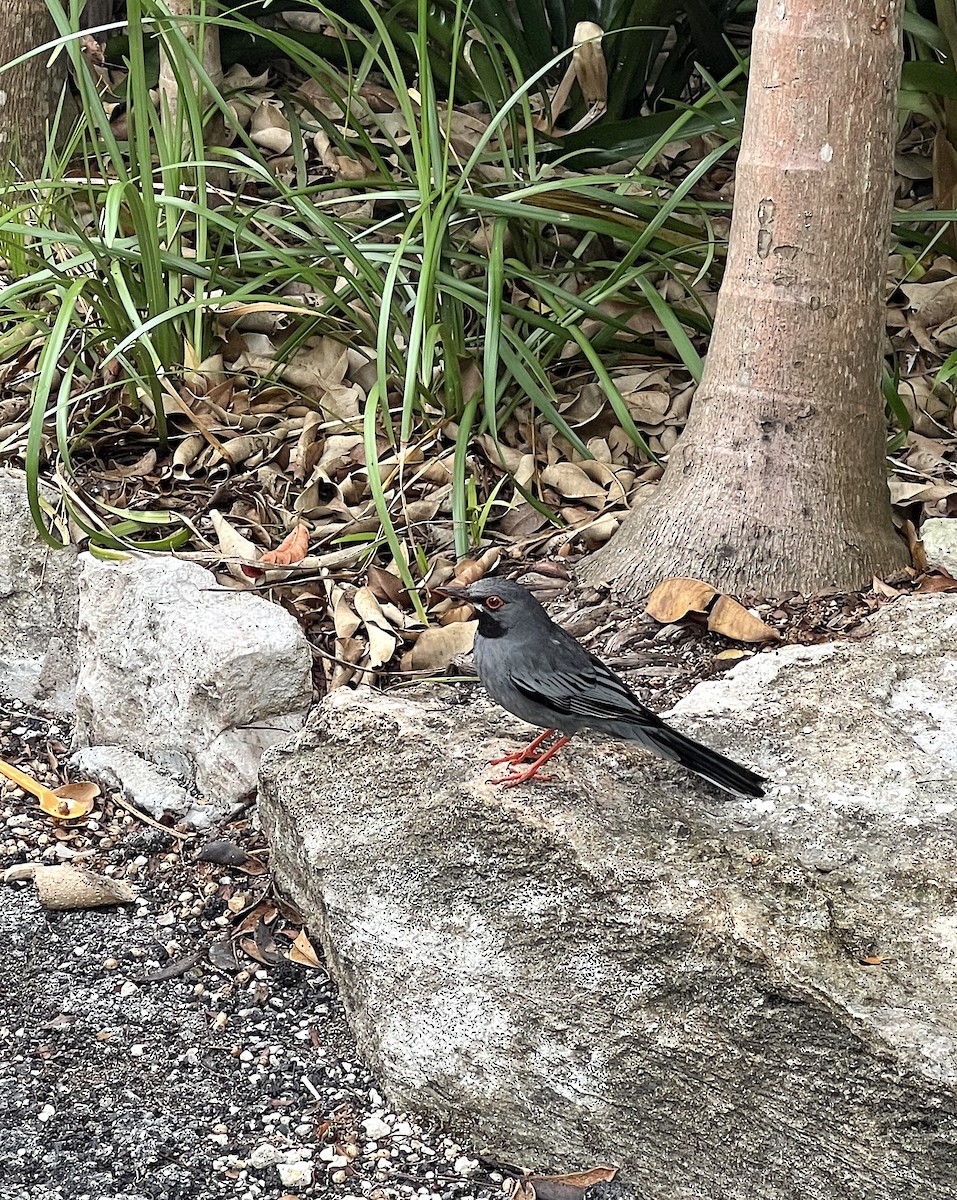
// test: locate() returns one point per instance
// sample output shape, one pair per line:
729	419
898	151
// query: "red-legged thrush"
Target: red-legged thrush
537	671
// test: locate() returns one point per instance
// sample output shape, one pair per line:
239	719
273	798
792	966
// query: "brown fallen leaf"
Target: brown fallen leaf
303	952
70	886
437	646
292	549
570	1186
936	583
914	545
673	599
874	960
382	639
733	620
883	589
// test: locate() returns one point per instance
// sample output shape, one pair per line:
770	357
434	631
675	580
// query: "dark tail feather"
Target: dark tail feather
711	765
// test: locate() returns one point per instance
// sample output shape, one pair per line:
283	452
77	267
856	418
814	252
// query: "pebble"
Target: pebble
265	1155
375	1128
295	1174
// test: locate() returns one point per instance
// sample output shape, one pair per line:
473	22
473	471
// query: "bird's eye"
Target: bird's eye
494	602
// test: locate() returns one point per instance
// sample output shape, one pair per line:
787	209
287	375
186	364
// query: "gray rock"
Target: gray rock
194	677
730	999
144	785
939	535
38	605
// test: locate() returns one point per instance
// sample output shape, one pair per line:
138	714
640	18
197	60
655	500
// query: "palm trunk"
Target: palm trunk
778	482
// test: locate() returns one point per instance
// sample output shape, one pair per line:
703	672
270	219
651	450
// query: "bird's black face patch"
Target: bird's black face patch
490	624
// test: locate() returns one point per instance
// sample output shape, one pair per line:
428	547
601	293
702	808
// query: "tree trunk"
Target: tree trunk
29	93
778	482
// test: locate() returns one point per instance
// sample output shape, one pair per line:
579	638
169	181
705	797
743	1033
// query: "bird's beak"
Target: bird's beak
454	593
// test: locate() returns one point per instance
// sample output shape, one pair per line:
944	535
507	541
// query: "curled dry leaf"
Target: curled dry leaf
292	549
303	952
733	620
70	886
234	546
382	640
934	584
675	598
571	1186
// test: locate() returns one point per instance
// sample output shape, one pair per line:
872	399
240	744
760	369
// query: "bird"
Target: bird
540	673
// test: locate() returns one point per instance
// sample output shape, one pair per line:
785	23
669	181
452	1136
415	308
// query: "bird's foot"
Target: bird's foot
513	778
529	752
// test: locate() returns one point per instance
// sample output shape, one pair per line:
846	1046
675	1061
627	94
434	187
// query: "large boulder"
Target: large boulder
729	999
195	678
38	605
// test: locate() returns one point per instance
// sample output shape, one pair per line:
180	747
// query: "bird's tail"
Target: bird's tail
715	767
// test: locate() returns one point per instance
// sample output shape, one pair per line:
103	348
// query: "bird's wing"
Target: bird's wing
583	688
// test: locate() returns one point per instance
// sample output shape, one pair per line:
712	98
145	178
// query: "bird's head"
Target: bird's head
501	604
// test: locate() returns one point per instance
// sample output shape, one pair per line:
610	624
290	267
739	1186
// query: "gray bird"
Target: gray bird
537	671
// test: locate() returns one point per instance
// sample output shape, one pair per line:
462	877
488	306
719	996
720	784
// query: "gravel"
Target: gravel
146	1053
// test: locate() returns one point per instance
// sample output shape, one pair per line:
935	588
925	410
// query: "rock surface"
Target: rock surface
939	535
730	999
196	678
38	605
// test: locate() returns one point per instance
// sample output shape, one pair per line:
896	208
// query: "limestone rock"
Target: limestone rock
144	785
38	606
729	999
194	677
939	535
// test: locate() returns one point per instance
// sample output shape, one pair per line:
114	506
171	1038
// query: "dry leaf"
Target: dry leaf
437	646
883	589
292	549
916	547
571	1186
233	545
934	584
733	620
302	951
674	598
382	640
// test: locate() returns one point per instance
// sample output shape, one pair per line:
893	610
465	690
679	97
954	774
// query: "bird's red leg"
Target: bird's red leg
516	777
520	756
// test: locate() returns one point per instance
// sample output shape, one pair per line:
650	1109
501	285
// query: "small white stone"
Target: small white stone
137	1051
464	1165
297	1174
375	1128
265	1155
45	1113
128	989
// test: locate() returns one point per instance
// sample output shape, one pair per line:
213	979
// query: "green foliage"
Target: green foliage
473	272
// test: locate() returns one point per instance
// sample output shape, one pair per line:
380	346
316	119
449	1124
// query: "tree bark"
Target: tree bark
29	93
778	482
